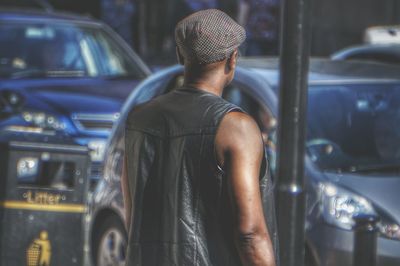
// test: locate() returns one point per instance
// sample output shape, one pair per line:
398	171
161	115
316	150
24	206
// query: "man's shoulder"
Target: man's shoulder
150	116
241	124
137	110
142	113
238	129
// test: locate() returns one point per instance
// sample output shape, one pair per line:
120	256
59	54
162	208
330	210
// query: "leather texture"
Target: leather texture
180	209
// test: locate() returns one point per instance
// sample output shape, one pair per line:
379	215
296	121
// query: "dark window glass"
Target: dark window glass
377	56
62	50
354	127
46	174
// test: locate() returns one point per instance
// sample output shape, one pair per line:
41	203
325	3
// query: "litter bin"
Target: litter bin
43	200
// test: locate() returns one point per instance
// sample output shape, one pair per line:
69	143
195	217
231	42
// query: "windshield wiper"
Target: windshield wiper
120	76
29	73
39	73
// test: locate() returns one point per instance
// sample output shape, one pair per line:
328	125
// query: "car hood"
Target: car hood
381	190
76	95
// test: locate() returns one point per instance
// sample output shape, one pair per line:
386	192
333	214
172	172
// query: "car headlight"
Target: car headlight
338	206
97	150
390	230
43	120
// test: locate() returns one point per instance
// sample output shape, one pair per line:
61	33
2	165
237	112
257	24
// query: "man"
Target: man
261	19
196	177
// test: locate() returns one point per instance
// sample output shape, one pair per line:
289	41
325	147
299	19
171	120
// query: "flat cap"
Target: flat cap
208	36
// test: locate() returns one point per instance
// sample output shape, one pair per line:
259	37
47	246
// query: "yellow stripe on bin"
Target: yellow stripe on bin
22	205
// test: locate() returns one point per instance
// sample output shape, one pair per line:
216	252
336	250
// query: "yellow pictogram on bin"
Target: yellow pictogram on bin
39	251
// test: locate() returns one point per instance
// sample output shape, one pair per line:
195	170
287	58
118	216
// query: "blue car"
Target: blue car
74	72
352	163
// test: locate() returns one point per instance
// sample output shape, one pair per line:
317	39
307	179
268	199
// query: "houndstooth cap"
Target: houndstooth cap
208	36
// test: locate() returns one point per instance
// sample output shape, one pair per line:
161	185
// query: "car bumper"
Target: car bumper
332	246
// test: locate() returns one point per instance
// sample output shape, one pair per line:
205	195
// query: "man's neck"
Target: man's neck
211	78
214	89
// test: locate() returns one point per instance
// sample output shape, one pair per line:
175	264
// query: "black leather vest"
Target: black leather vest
180	209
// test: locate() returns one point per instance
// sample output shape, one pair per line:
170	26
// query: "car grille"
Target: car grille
95	122
95	125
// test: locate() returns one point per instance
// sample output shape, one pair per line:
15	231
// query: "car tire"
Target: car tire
110	242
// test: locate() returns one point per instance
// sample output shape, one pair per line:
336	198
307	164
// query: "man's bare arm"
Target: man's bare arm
126	194
239	149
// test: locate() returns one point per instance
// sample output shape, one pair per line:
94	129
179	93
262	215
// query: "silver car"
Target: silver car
352	162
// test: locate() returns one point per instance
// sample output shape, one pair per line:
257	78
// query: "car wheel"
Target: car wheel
110	243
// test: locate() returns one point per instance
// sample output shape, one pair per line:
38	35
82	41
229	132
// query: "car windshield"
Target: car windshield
354	127
32	50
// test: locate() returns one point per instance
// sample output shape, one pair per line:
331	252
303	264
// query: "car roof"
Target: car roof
392	49
324	70
11	14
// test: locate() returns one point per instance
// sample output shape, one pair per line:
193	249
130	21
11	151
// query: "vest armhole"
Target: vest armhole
220	168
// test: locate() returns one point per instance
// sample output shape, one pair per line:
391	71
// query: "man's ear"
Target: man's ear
179	56
232	60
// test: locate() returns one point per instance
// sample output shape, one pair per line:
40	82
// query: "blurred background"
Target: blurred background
71	70
148	25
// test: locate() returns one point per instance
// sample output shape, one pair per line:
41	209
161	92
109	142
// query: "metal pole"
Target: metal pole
365	240
294	61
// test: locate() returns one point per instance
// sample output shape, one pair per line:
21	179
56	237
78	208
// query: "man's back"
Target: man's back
180	207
